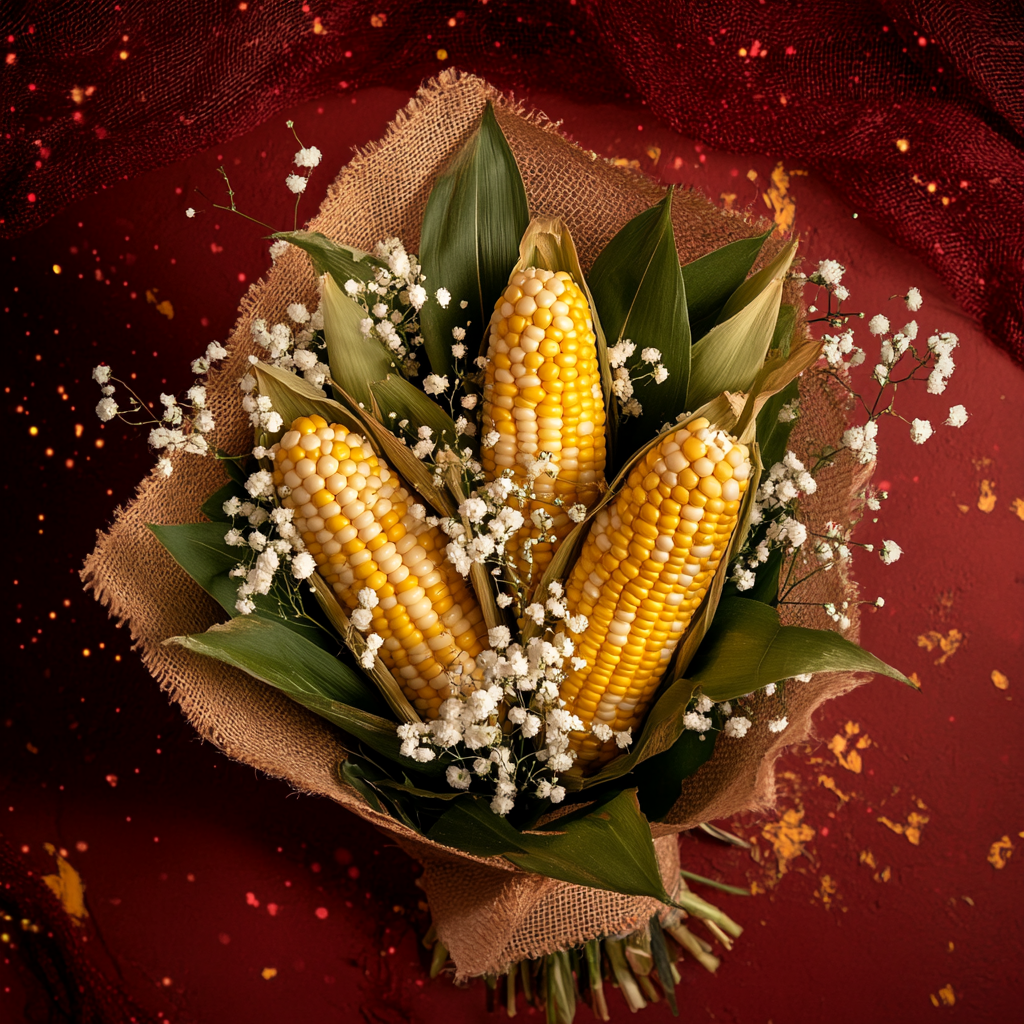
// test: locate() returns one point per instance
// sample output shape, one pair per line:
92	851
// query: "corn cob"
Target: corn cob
644	569
353	514
542	393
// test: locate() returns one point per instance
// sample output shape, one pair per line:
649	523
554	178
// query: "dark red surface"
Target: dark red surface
910	110
171	838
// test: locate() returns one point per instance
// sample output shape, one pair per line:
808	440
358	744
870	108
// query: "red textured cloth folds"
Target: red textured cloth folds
913	111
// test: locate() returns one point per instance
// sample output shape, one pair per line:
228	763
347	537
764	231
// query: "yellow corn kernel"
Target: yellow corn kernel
542	394
370	540
639	606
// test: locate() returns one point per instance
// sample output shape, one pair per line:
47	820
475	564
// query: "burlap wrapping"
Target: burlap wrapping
487	913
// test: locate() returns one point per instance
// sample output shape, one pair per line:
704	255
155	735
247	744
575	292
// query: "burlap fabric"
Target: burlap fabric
487	913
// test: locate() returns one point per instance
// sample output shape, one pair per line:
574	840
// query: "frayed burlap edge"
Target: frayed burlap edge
487	913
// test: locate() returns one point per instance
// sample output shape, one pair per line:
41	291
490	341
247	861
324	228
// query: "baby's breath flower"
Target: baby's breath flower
890	552
920	431
296	183
106	409
443	297
957	416
308	156
878	324
913	299
434	384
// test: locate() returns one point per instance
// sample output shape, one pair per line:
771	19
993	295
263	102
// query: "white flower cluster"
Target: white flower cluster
392	301
297	347
529	753
181	427
269	538
624	379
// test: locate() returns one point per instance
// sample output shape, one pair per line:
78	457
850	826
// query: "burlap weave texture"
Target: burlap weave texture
487	913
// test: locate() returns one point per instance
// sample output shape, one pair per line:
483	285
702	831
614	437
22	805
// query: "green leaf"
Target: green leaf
608	846
356	361
713	278
659	779
754	286
200	550
399	400
475	216
772	435
213	507
291	397
342	262
638	287
747	648
730	355
282	658
782	337
309	676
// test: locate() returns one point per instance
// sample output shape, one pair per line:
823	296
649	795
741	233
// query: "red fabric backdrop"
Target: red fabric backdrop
912	111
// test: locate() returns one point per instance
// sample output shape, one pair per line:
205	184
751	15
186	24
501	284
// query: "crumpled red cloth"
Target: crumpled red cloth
913	111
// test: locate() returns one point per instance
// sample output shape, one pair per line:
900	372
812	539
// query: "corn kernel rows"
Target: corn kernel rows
643	572
542	393
354	515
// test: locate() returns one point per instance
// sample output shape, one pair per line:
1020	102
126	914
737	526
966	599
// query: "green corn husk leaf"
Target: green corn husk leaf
398	400
200	550
292	397
378	672
355	360
782	339
712	279
606	846
308	675
342	262
771	434
730	355
475	216
747	647
547	243
638	286
750	289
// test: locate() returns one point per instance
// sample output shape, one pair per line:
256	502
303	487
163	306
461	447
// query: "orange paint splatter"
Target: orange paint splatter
948	644
826	890
911	829
779	201
789	837
1000	852
946	997
848	757
986	496
829	783
999	680
67	886
268	972
1017	507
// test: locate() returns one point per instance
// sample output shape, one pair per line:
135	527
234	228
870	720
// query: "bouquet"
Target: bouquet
521	547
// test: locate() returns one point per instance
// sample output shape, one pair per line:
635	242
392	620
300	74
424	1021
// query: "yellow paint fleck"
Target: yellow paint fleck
951	946
912	829
268	972
751	175
999	680
903	145
986	496
164	308
756	888
826	890
621	161
947	995
728	199
378	20
964	508
884	875
788	837
67	886
1000	852
829	783
778	199
442	54
654	152
318	27
867	857
916	679
948	644
839	743
1017	507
